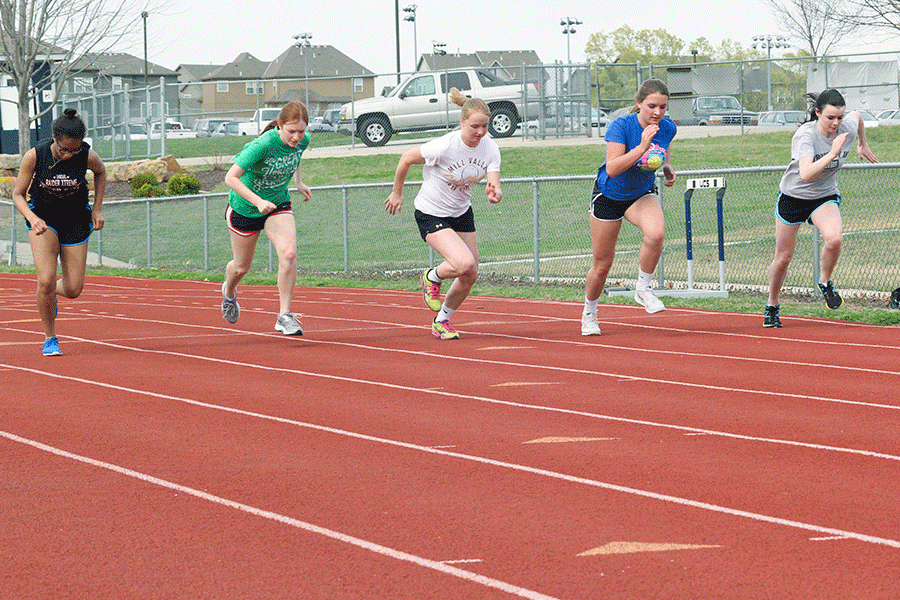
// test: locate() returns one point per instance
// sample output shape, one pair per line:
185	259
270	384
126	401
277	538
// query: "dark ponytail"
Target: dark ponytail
69	125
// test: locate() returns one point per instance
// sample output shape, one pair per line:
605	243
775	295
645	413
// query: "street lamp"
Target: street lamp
303	42
767	42
568	24
411	9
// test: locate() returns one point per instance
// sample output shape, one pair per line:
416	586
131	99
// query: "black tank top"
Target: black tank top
59	187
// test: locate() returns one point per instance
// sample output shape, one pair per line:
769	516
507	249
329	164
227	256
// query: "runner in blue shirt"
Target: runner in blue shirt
636	145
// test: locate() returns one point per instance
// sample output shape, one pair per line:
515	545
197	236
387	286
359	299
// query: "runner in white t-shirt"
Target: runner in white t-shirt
453	163
809	192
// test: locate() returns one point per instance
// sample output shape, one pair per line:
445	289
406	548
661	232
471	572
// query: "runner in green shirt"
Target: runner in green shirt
259	201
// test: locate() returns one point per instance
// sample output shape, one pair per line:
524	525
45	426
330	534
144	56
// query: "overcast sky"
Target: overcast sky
216	31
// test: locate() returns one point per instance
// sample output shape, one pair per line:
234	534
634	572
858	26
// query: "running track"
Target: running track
687	454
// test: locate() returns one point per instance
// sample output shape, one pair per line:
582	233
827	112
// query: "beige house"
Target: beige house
237	89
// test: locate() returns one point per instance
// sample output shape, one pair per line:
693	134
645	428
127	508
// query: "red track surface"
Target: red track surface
686	454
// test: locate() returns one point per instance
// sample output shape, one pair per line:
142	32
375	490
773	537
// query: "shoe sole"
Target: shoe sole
442	337
282	330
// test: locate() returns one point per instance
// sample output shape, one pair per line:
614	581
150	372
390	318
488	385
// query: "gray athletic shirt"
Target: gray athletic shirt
809	141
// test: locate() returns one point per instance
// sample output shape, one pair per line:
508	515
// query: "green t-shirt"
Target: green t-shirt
268	165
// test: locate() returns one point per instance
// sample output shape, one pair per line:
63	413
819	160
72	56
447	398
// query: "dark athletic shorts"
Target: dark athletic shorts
247	226
464	223
607	209
793	211
71	229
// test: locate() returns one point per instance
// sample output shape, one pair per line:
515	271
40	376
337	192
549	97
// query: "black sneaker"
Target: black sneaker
772	319
832	298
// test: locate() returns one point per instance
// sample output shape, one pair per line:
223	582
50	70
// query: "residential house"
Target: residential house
113	88
247	83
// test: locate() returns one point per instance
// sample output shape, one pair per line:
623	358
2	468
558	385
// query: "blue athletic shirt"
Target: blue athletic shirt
635	182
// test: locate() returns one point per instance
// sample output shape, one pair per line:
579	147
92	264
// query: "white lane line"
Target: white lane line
535	407
491	462
266	514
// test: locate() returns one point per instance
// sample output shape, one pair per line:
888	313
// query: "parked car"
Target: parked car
868	118
206	127
783	118
421	103
890	117
174	130
327	122
721	110
260	119
886	114
568	123
228	128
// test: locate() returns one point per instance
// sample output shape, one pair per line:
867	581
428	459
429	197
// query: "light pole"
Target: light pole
411	9
768	42
568	24
303	42
144	15
437	49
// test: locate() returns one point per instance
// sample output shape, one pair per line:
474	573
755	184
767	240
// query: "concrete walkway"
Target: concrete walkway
24	257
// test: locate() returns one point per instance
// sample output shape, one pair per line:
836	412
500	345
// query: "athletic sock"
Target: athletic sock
590	306
432	276
644	279
444	314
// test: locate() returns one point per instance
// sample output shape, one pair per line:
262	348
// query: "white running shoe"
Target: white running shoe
589	324
289	324
648	300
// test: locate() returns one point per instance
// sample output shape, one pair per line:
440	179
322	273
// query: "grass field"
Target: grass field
748	223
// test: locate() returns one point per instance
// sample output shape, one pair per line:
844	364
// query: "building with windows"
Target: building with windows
321	74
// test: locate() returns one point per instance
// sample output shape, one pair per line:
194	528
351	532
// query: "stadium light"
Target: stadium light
568	24
411	9
767	42
303	42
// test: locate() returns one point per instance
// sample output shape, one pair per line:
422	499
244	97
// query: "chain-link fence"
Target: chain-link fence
869	82
538	233
216	118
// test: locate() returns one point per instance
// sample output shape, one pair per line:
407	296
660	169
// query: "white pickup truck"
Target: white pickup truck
174	131
261	118
421	102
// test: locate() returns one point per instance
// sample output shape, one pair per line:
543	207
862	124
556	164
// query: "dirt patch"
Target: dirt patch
209	180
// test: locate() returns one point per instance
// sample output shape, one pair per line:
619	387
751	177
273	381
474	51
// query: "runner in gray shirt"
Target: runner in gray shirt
809	192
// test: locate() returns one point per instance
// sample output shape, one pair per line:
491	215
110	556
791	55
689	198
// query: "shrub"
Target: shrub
148	190
140	180
183	184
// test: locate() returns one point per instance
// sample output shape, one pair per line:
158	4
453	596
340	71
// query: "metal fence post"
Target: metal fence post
661	265
816	258
536	204
206	233
13	233
346	224
149	236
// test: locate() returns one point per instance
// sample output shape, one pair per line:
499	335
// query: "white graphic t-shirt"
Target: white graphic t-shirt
451	169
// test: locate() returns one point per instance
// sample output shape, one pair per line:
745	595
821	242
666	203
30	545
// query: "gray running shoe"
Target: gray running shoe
289	324
231	310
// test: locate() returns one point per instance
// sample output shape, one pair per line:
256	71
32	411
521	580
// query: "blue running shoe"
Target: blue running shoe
51	347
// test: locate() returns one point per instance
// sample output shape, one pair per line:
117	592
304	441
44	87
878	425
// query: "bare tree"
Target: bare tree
880	14
819	24
41	41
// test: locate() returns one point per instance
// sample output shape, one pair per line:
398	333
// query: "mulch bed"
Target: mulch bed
209	181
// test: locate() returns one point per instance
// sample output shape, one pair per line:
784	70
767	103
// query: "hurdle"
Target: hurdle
718	184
